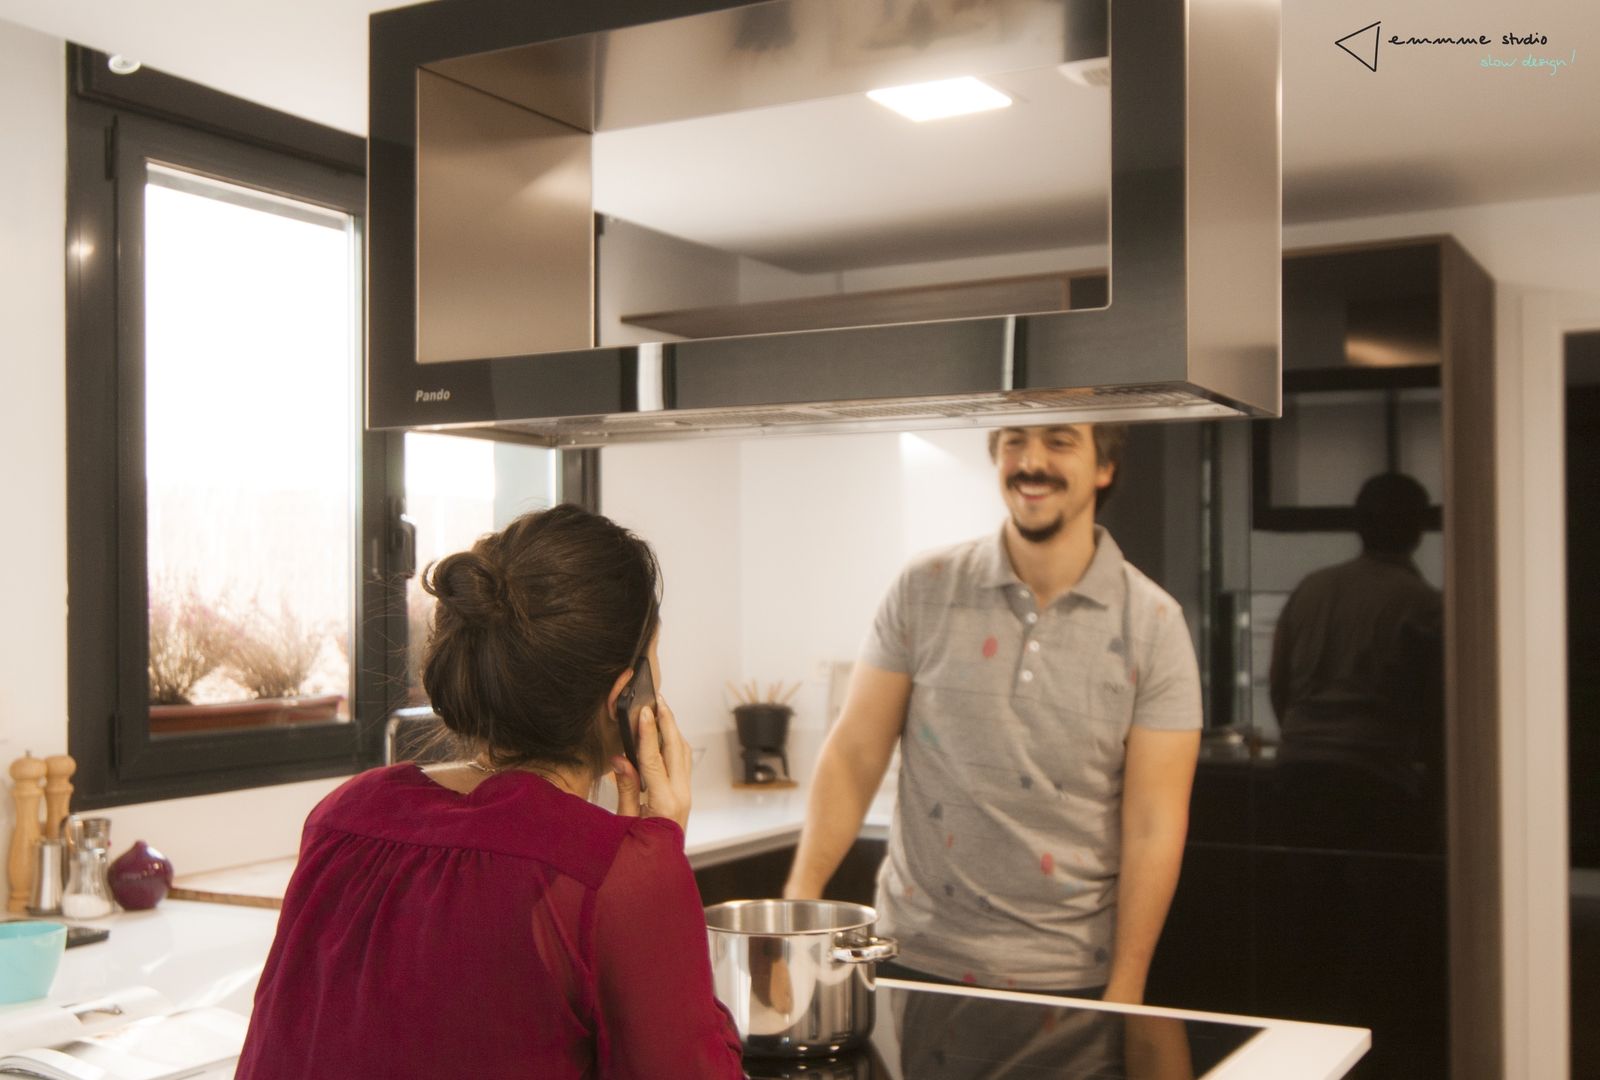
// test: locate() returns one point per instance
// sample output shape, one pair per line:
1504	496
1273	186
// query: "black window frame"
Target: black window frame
114	124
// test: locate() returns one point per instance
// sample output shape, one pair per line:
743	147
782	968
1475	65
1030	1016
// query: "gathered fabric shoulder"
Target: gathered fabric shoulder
512	813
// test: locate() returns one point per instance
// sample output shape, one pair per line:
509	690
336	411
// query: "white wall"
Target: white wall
304	58
33	638
776	553
828	521
33	546
1535	243
683	498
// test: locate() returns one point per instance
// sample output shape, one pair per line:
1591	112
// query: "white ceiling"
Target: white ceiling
1430	128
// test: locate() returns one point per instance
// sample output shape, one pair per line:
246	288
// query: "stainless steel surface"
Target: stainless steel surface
410	734
764	55
48	877
505	236
1127	403
88	832
1233	335
796	974
1190	188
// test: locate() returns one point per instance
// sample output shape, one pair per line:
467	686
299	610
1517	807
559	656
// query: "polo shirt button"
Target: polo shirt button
1033	646
1027	676
1031	617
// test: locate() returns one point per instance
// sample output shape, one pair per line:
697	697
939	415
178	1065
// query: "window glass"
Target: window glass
458	489
251	367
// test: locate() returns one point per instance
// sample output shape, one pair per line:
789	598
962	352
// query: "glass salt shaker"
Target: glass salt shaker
88	893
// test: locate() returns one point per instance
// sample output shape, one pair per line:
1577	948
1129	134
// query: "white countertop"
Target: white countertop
747	822
212	954
725	826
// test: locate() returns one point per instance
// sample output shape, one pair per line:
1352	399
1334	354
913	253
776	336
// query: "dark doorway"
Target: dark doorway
1583	690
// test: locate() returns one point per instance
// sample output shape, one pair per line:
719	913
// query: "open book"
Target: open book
133	1034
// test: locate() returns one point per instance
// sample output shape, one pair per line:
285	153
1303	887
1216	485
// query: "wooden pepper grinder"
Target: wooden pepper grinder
27	788
57	793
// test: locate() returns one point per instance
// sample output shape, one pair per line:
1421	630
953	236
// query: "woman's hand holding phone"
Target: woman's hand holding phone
665	759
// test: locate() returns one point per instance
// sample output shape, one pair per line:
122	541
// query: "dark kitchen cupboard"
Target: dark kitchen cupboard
759	876
1327	897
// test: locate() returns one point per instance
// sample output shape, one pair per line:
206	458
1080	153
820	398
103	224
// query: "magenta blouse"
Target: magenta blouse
517	931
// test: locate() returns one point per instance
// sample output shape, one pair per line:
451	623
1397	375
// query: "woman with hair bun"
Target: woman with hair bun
483	917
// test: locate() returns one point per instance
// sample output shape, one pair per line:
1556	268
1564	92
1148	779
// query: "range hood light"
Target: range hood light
937	100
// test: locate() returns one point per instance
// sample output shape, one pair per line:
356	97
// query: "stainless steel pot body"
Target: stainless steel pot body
797	975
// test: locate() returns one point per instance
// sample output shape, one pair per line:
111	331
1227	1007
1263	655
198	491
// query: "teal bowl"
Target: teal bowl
30	952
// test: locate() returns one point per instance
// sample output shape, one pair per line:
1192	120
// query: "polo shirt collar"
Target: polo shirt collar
994	565
1100	582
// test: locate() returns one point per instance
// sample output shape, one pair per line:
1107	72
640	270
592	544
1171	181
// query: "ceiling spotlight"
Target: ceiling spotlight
122	65
937	100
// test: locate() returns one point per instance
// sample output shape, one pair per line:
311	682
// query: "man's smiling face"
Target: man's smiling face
1048	477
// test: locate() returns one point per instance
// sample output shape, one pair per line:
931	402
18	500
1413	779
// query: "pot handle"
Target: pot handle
869	951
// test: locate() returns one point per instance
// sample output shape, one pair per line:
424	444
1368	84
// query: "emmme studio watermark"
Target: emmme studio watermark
1365	43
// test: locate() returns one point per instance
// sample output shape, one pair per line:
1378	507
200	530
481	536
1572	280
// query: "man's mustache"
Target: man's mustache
1035	478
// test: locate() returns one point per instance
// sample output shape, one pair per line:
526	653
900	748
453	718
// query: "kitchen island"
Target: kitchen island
211	954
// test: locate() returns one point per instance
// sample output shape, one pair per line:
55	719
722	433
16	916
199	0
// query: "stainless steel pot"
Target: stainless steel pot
796	974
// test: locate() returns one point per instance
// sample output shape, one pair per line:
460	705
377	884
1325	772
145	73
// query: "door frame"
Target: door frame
1533	691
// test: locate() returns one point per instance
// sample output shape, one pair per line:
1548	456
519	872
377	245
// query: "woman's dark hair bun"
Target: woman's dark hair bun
471	587
533	627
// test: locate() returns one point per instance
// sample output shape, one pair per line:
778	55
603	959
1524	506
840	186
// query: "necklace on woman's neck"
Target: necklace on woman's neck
552	776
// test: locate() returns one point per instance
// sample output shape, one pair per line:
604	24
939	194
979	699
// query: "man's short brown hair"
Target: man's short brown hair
1110	440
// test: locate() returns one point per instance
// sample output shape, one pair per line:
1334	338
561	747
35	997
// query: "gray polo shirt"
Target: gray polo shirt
1004	852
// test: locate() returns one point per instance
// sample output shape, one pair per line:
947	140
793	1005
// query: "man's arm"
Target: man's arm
849	770
1155	821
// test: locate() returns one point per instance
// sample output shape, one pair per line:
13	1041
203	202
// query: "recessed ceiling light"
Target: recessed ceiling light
122	65
937	100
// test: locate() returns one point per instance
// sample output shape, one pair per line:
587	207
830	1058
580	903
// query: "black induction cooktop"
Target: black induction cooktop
932	1035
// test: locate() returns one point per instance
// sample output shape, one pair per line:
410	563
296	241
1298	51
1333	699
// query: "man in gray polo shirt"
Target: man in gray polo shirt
1046	702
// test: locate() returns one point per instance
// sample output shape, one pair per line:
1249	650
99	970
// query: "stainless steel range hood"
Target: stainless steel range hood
642	220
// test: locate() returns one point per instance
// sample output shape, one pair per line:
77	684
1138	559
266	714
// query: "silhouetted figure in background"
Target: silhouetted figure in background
1357	684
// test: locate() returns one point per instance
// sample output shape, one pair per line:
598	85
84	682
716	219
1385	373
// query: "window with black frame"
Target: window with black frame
236	603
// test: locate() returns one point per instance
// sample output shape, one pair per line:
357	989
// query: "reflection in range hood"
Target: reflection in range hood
1191	329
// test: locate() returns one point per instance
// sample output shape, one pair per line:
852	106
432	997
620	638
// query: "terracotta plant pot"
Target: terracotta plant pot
258	713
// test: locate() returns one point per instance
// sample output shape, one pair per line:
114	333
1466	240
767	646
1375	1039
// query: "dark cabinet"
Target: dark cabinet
1363	338
1318	891
757	877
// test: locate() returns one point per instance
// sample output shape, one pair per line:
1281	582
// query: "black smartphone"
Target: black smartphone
76	935
85	935
640	691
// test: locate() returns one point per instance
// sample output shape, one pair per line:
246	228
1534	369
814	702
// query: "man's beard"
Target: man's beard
1043	533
